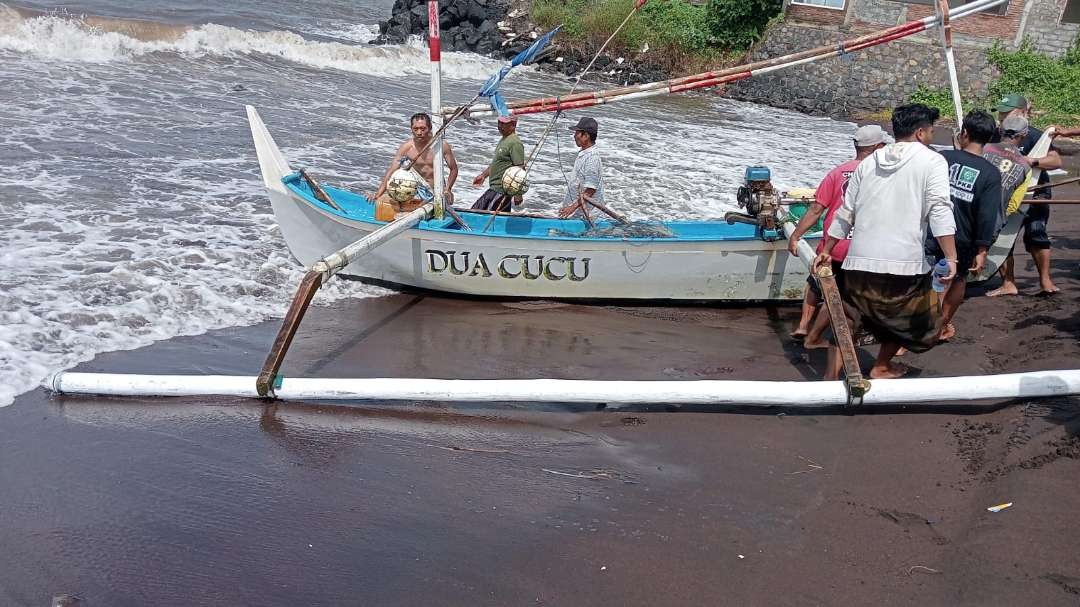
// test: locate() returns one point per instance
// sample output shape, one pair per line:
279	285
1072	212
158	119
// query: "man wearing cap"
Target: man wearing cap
1036	240
830	195
509	152
975	190
1014	166
587	181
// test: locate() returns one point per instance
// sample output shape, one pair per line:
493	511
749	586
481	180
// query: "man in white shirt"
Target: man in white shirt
587	180
893	196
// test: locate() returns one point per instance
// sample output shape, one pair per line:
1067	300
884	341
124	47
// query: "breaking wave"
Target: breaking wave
63	37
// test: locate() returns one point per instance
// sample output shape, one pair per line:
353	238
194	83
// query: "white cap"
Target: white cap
871	134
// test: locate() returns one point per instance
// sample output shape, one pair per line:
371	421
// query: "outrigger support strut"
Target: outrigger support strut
316	277
856	385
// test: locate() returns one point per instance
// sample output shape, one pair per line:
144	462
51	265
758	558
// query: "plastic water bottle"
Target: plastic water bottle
941	270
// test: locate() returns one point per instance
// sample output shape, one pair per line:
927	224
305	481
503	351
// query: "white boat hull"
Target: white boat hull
477	265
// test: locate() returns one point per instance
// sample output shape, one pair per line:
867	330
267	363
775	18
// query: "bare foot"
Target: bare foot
815	345
902	351
799	334
1049	288
890	371
947	332
1004	290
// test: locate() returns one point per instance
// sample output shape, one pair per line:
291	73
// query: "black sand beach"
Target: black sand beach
167	502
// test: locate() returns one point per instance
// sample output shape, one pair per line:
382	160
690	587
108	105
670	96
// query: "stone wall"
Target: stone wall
1045	29
884	76
876	78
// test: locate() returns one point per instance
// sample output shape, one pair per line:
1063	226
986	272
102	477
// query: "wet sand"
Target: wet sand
221	502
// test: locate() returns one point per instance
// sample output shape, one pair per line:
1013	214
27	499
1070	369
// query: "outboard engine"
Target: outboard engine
761	201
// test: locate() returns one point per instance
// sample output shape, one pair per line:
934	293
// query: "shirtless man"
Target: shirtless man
421	137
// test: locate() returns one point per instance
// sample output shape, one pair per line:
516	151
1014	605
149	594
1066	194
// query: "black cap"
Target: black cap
586	124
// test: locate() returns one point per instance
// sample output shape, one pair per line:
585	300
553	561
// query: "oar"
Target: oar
317	190
617	217
316	277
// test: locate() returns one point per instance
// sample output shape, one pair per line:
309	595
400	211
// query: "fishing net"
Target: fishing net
633	229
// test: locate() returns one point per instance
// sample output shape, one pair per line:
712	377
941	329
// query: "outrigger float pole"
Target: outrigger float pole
719	77
804	394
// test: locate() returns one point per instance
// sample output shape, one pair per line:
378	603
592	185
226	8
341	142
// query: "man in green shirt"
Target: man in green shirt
510	152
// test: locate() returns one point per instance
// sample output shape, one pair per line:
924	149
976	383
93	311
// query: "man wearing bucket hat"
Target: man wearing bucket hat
509	152
587	181
1036	240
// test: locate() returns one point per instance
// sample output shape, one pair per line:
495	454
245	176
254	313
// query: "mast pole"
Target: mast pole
435	52
950	64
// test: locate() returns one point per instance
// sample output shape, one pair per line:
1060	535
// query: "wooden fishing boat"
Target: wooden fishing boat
530	256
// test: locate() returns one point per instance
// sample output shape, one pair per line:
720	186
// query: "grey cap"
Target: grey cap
1013	125
871	134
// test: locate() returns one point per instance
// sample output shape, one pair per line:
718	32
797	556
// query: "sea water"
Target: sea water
131	205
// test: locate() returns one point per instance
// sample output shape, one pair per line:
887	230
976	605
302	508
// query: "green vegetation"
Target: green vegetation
1051	84
676	30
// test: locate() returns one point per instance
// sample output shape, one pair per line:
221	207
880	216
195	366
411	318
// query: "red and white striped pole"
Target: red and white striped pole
435	50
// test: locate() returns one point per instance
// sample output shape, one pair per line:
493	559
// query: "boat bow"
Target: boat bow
271	160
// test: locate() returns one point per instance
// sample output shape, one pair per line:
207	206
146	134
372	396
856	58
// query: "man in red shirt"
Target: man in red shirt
830	196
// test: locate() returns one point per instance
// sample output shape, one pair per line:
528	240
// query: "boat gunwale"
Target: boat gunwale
291	183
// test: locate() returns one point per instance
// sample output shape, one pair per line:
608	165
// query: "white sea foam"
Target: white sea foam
75	286
64	38
354	32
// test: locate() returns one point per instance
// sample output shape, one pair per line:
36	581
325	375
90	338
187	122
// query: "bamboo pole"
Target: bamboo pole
718	77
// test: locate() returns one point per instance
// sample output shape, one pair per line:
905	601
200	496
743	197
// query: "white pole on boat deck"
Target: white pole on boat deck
950	62
435	52
934	390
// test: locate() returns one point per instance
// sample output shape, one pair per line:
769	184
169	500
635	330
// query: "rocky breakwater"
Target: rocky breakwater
465	25
502	28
